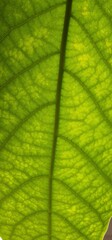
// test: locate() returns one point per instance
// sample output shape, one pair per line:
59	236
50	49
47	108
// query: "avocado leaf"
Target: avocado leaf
55	119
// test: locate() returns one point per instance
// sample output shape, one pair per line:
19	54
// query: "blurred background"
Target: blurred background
108	235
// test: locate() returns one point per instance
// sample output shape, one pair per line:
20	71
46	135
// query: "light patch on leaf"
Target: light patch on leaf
41	33
42	80
79	46
84	60
85	11
27	44
16	55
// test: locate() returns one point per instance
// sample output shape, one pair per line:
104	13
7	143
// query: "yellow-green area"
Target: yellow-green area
55	119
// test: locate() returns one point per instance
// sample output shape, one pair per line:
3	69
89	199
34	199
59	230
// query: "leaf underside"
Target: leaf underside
55	119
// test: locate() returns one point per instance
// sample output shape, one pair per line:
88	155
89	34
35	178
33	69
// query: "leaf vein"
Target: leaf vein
28	68
29	19
107	64
89	158
78	196
23	121
92	96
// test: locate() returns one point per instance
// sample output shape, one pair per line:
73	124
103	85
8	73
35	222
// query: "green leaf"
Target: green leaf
56	112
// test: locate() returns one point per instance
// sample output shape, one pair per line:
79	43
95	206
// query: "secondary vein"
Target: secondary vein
57	108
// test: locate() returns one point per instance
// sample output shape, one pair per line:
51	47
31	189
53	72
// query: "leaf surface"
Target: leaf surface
56	119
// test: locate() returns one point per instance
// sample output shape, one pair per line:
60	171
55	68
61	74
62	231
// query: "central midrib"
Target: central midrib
57	108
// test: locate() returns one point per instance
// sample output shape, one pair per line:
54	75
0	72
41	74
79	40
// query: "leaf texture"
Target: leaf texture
56	119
